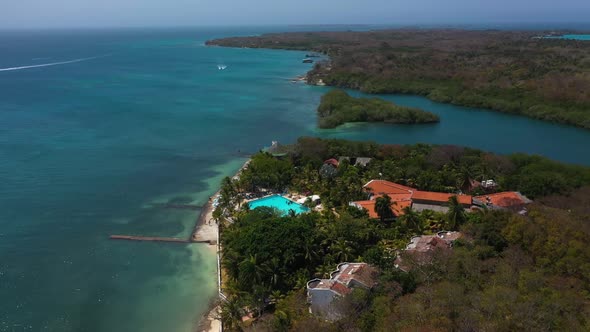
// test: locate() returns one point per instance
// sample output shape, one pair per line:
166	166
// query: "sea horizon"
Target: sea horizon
280	27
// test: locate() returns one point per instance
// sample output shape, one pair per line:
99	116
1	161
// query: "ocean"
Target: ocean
98	126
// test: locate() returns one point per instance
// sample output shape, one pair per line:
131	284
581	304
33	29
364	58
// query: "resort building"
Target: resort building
404	196
397	207
423	249
321	293
427	200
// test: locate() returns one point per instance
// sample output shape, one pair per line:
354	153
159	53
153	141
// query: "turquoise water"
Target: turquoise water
88	147
572	37
279	202
576	37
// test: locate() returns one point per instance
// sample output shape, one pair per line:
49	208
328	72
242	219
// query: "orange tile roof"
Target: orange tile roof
380	187
340	288
403	196
396	205
504	199
369	206
397	197
440	197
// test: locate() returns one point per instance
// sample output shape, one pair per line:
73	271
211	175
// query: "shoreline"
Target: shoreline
207	229
264	41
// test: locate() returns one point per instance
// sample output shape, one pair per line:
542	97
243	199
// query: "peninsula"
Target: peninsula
507	71
334	235
337	107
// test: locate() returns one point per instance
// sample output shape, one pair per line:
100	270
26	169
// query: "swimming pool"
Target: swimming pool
279	202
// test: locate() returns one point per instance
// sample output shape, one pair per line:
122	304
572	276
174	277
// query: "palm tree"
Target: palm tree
323	271
310	250
228	194
383	207
230	265
342	250
231	315
456	214
301	279
273	268
431	220
256	299
412	219
251	272
275	296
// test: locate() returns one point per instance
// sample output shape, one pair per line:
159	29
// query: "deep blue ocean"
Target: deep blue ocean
111	121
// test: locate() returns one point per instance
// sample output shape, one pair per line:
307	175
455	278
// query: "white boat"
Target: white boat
221	67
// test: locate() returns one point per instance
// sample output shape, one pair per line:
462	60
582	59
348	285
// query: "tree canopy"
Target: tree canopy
337	107
508	271
507	71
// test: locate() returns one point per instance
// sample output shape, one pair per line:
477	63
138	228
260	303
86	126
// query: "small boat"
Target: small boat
307	60
221	67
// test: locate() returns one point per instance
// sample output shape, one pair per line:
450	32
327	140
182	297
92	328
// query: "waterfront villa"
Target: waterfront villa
423	249
322	292
419	200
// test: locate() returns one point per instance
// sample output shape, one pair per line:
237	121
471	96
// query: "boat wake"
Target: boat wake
51	64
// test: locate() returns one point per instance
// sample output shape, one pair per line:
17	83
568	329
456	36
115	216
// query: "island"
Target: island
507	71
337	107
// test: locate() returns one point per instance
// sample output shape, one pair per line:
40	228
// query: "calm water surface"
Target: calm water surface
143	117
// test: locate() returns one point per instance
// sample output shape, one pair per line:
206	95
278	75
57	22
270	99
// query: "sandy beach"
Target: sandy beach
207	229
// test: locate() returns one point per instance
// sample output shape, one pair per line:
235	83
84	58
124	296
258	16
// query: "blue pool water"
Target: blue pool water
279	202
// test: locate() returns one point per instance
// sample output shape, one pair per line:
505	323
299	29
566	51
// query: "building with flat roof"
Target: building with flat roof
321	293
423	249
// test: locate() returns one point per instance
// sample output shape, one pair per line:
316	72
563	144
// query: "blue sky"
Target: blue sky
106	13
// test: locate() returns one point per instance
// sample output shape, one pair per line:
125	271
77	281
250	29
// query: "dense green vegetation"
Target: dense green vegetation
511	272
506	71
337	107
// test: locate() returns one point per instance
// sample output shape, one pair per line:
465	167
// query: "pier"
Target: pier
198	235
158	239
177	206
